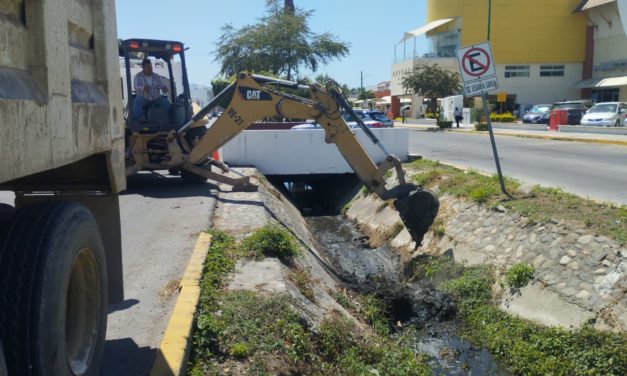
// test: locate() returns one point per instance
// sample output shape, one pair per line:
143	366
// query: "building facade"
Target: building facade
539	46
606	46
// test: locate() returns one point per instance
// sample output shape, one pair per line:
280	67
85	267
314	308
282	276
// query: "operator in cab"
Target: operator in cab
148	88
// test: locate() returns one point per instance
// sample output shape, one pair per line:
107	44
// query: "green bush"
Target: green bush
272	241
429	115
481	127
239	350
519	275
445	124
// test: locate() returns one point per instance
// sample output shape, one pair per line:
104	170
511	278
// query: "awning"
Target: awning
601	82
385	100
405	100
425	29
589	4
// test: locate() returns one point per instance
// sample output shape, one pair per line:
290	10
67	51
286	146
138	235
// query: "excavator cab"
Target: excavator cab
168	60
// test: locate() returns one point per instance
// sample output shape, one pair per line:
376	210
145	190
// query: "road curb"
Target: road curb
543	137
173	352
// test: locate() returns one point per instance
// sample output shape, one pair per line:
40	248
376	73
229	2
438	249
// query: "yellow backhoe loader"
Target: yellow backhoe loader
172	140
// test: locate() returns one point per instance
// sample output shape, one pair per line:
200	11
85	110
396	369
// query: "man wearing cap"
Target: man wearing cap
148	88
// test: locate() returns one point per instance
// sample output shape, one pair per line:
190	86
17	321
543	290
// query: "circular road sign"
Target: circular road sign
476	62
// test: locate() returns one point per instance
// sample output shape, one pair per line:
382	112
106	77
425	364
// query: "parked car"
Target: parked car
580	103
376	116
574	116
606	114
351	124
536	114
370	123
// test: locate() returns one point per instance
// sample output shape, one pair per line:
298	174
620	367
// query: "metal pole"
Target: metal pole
486	111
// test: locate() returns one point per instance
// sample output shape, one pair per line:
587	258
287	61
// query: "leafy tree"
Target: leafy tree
365	94
432	82
219	84
280	42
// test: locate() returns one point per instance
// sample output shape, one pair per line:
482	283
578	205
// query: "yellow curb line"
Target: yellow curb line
542	137
173	352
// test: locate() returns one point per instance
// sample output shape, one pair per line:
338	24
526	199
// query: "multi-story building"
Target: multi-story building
538	45
605	76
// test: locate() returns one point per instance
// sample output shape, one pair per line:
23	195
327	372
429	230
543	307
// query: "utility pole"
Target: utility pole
486	111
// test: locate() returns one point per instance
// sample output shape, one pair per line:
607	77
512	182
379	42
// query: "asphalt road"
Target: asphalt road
161	218
590	170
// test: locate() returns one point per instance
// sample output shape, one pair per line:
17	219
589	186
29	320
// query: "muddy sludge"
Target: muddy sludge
417	305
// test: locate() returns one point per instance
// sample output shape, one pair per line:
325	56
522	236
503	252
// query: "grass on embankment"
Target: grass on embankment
243	333
539	206
525	347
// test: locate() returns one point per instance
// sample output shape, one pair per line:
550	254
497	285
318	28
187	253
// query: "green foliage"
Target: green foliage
432	82
272	241
519	275
239	350
280	42
483	193
374	312
473	287
219	84
302	280
481	127
343	299
445	124
266	328
528	348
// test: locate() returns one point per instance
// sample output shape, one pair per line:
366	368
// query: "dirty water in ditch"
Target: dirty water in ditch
378	271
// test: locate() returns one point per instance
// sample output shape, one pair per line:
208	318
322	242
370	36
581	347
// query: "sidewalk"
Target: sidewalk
429	125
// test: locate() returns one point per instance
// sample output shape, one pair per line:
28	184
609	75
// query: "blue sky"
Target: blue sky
372	27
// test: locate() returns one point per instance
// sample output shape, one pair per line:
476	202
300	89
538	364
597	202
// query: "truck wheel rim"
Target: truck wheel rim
82	317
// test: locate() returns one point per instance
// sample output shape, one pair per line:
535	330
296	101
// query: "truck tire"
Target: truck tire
53	307
3	363
192	137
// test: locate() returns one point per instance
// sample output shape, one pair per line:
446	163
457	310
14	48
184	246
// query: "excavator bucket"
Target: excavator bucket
418	211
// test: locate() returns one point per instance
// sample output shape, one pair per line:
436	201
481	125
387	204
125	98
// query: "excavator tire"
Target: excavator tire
418	211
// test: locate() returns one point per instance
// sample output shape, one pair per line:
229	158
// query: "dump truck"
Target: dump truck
62	154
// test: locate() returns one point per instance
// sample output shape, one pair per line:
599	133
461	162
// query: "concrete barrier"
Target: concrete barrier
296	152
519	127
597	130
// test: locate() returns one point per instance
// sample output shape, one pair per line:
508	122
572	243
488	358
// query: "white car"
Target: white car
607	114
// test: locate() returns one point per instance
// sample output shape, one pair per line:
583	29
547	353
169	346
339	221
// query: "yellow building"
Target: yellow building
539	46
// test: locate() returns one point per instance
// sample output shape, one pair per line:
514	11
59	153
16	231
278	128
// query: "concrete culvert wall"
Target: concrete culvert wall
578	276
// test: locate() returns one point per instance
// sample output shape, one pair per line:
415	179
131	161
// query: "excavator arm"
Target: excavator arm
253	98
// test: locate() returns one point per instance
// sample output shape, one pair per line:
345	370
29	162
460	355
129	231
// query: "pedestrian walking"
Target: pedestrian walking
458	115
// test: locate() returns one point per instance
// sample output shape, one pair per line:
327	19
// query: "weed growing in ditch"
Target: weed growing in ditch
263	335
375	313
438	228
518	276
271	240
539	206
529	348
434	268
343	299
303	281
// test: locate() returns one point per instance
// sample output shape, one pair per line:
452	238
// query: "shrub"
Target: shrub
506	117
429	115
481	127
445	124
271	240
519	275
239	350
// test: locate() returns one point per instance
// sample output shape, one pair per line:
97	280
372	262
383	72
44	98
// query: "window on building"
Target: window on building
551	71
516	71
605	95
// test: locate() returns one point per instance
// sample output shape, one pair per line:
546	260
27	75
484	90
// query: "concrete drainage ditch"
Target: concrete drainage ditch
367	252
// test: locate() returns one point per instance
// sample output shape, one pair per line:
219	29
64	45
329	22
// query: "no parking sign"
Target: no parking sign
477	68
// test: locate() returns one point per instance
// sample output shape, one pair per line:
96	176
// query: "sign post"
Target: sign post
479	76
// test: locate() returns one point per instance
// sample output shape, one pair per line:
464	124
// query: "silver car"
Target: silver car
607	114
